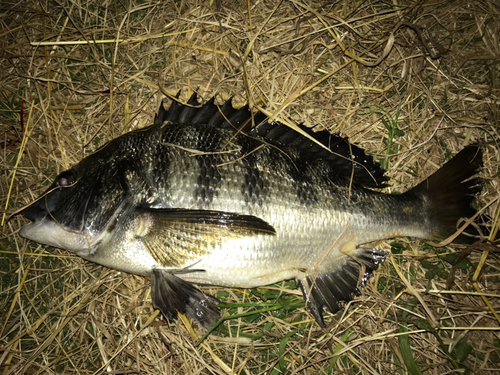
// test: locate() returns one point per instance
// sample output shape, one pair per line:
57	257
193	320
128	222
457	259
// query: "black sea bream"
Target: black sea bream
203	197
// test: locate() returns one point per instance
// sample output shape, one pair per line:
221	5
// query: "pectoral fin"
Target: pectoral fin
171	294
176	236
329	289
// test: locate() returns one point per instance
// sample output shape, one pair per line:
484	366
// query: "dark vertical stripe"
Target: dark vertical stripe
209	177
254	184
299	170
157	165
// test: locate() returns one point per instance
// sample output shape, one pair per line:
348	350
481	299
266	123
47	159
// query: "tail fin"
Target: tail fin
449	192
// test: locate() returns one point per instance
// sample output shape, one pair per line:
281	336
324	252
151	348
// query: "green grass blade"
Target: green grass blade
405	348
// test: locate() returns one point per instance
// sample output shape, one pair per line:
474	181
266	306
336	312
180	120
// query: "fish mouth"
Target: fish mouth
46	229
34	213
48	232
46	226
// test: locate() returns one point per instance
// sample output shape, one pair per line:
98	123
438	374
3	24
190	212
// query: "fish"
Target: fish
213	195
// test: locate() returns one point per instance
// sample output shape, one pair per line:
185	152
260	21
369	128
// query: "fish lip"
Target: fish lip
26	229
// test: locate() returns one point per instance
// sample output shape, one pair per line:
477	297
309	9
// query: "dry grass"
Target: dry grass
75	74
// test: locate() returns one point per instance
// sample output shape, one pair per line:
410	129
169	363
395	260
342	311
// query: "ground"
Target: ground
410	82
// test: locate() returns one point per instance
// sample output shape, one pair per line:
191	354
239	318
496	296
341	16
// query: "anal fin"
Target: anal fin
171	294
328	290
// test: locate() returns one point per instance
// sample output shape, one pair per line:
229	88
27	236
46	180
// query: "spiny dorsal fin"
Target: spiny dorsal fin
190	110
205	113
345	158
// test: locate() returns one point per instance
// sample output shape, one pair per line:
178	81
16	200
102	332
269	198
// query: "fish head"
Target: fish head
78	206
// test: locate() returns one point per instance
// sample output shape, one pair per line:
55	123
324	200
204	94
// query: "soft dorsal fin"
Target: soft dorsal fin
345	158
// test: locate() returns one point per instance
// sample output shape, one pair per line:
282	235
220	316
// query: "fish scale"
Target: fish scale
194	199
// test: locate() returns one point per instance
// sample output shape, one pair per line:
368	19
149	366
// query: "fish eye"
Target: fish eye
66	179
